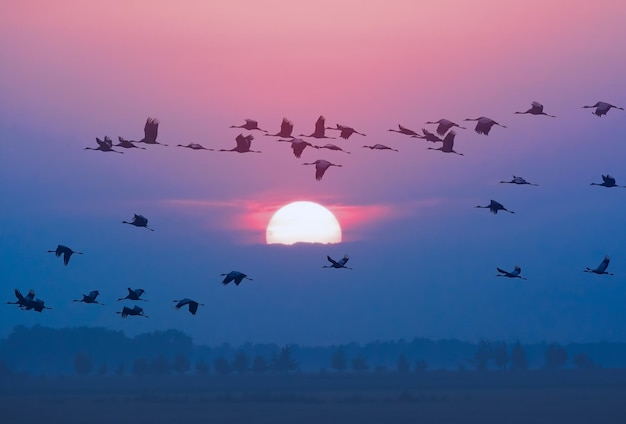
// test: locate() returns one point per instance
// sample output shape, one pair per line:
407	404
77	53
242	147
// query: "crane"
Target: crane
134	294
494	207
298	145
513	274
286	128
320	129
519	181
602	108
192	304
448	144
243	144
607	181
127	144
135	310
443	125
345	132
195	146
65	251
536	109
484	124
90	298
235	276
321	166
380	147
601	269
105	145
250	125
341	263
139	221
150	132
403	130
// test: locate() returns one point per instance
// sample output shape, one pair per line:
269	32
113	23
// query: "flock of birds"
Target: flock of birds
444	135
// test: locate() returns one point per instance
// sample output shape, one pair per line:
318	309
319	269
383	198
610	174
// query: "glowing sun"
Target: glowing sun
303	222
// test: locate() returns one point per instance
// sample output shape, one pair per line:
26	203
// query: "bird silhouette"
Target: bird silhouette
320	129
608	181
23	301
341	263
65	251
37	305
484	124
286	128
428	136
105	145
298	145
195	146
135	310
443	125
192	304
494	207
90	298
150	132
403	130
518	180
448	144
513	274
250	125
139	221
235	276
332	147
346	132
601	269
243	144
127	144
321	166
380	147
134	294
536	109
602	108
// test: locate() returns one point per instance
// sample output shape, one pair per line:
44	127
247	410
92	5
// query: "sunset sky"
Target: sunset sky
424	257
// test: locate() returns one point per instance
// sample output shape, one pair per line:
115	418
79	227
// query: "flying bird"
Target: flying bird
513	274
105	145
65	251
90	298
536	109
404	130
332	147
235	276
243	144
443	125
321	166
195	146
298	145
134	294
448	144
192	304
494	207
250	125
150	132
37	305
139	221
601	269
341	263
135	310
23	301
346	132
602	108
428	136
380	147
484	124
320	129
286	128
608	181
127	144
519	181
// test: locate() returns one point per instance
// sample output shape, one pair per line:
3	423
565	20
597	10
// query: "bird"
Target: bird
320	129
22	301
321	166
193	305
195	146
514	274
139	221
448	144
380	147
332	147
484	124
404	130
346	132
250	125
65	251
444	125
494	207
150	132
428	136
243	144
601	269
286	128
518	180
135	310
341	263
127	144
37	305
105	145
536	109
602	108
90	298
298	145
608	181
235	276
134	294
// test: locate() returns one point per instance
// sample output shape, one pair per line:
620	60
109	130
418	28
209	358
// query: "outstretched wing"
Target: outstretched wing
604	264
516	271
344	260
150	130
332	261
502	271
286	127
319	125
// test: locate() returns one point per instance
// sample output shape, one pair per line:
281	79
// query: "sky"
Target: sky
424	258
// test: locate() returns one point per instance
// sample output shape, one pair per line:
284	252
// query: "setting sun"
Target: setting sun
306	222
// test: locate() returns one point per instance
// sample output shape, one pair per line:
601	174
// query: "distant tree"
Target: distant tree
500	355
483	354
583	361
259	365
283	362
103	369
221	366
83	363
160	366
181	364
402	365
140	367
202	368
359	363
339	362
421	365
241	363
120	370
556	356
518	358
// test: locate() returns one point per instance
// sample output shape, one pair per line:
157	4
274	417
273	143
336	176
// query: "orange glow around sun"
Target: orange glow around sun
306	222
